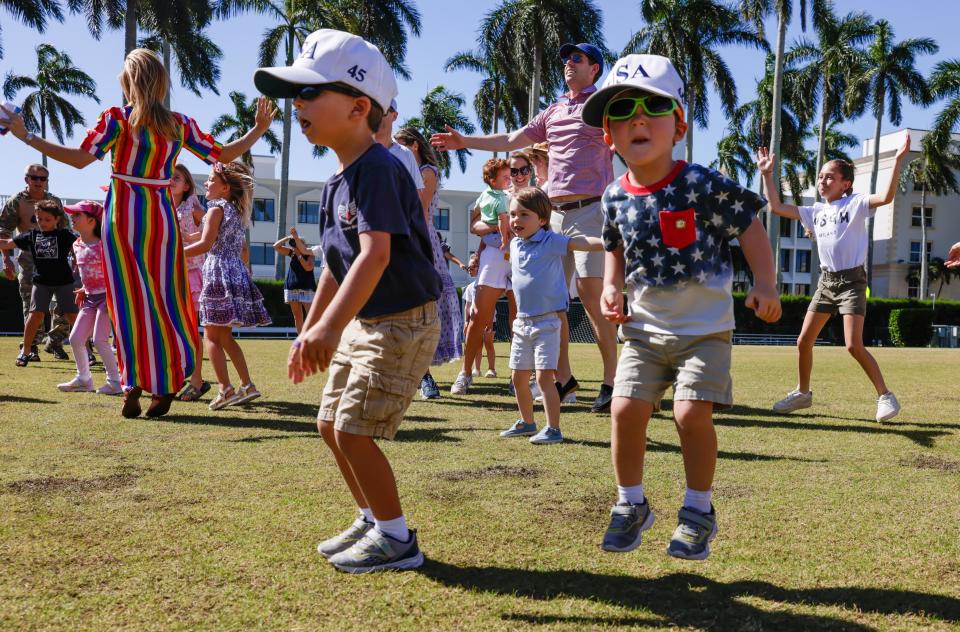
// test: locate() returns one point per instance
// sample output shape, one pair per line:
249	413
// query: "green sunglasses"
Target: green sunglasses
623	108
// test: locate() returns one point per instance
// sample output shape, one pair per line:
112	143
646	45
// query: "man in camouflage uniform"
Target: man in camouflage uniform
17	217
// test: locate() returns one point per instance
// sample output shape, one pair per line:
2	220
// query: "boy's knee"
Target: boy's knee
325	428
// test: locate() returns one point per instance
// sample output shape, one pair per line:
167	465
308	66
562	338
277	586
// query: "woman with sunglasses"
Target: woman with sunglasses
521	172
147	293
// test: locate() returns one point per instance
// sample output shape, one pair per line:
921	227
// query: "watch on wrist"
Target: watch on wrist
29	137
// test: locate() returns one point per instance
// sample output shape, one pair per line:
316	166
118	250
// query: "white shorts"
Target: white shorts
494	269
536	343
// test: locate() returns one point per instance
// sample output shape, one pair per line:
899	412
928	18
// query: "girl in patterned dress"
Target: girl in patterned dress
147	295
229	298
450	346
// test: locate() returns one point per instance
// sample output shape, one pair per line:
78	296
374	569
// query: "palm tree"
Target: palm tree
56	77
889	76
527	34
735	156
945	84
33	13
241	121
689	33
438	109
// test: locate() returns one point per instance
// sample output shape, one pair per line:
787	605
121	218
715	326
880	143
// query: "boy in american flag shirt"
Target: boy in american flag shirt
667	230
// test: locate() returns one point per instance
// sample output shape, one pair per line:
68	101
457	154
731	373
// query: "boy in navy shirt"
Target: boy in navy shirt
666	231
373	321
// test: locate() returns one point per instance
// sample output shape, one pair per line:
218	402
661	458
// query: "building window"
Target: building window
801	231
913	287
263	210
803	261
308	212
915	251
785	227
786	256
801	289
441	219
262	254
927	216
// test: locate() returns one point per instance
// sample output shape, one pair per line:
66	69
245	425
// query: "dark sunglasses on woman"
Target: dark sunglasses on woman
522	171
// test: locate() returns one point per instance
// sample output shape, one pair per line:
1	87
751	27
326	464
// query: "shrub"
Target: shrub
910	327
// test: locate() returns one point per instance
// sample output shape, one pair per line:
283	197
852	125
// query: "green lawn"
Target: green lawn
828	520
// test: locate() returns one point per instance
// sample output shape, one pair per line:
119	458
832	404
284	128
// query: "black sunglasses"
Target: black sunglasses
575	57
522	171
309	93
38	178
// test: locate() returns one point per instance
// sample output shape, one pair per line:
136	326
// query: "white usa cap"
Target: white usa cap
330	56
650	73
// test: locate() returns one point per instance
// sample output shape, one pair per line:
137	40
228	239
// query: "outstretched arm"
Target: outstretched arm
879	200
452	140
581	242
953	257
266	113
73	156
766	163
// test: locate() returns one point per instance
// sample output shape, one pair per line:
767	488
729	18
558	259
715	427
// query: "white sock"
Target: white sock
367	514
697	500
396	528
632	494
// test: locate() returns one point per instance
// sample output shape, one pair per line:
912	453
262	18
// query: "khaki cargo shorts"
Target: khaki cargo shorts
377	369
586	221
698	368
844	291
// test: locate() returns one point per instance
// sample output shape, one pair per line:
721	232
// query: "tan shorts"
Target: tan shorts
586	221
844	291
698	367
377	369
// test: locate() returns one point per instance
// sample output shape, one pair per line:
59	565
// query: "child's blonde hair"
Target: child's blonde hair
145	83
534	199
237	176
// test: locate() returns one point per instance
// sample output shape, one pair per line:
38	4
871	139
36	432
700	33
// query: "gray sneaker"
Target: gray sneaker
376	551
347	538
695	530
795	400
520	429
627	524
548	435
76	385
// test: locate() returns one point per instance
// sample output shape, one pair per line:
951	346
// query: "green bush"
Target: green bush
911	327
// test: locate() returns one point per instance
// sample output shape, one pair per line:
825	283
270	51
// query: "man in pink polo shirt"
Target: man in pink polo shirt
580	168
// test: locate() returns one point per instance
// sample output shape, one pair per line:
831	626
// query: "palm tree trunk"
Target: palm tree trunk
279	267
691	99
496	108
775	133
130	27
821	155
43	130
534	104
166	64
874	171
924	268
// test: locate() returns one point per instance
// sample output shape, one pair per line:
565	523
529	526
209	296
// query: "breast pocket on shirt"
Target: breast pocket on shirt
678	228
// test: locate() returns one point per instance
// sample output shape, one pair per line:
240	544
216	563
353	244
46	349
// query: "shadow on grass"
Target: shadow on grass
16	399
430	435
264	438
687	600
308	426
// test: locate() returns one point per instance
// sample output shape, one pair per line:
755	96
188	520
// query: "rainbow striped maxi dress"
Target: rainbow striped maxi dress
147	293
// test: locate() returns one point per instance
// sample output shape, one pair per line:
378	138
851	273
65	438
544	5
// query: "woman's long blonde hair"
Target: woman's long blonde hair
145	83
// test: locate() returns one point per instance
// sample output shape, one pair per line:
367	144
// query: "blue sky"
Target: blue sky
448	27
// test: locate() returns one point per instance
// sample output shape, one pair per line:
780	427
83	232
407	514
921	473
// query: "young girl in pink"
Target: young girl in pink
92	301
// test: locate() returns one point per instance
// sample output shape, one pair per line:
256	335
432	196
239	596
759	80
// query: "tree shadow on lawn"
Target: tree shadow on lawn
16	399
688	600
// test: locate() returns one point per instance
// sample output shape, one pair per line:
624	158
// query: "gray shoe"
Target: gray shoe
378	552
627	524
695	530
347	538
795	400
520	429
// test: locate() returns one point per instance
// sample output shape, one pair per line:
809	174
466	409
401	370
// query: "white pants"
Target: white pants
93	319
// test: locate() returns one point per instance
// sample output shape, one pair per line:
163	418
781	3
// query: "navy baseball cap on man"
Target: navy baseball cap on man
592	52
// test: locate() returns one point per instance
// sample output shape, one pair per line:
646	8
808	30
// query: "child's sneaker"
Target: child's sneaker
795	400
627	524
461	384
547	435
520	429
111	388
695	530
429	388
490	373
475	373
376	551
223	399
346	538
887	406
76	385
246	393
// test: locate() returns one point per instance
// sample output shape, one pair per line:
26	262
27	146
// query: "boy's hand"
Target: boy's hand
319	344
765	160
765	302
904	148
79	296
953	257
611	305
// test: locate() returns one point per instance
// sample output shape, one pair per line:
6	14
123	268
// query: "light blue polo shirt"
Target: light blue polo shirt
538	280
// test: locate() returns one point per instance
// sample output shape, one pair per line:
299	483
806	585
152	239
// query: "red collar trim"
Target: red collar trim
632	189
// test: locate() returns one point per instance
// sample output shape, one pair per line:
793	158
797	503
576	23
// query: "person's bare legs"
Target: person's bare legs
564	372
628	438
485	302
490	350
698	442
232	348
30	327
297	308
212	337
853	338
546	379
813	324
329	437
373	474
589	289
521	386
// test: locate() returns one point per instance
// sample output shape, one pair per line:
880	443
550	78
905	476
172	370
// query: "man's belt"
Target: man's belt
569	206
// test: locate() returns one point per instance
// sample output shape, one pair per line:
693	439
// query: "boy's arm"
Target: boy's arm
503	225
763	298
766	162
582	242
327	287
879	200
611	301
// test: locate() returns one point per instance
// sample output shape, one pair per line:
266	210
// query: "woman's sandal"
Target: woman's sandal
23	359
191	393
160	405
131	403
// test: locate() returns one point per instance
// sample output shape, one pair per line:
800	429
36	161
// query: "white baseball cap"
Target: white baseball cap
650	73
330	56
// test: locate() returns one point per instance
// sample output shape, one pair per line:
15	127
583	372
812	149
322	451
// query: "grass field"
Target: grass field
828	520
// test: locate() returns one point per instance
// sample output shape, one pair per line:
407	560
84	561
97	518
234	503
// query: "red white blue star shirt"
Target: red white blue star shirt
676	237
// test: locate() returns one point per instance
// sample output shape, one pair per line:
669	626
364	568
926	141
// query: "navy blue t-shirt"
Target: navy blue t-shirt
375	193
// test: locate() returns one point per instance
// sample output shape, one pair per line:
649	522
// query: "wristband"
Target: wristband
296	344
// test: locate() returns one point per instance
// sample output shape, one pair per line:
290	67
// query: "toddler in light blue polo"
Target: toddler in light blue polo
539	284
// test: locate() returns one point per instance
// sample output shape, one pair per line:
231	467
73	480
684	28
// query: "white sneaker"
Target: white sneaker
461	384
887	406
795	400
476	373
110	388
569	398
490	373
76	385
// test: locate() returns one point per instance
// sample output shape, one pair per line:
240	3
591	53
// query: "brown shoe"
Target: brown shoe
131	403
160	404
